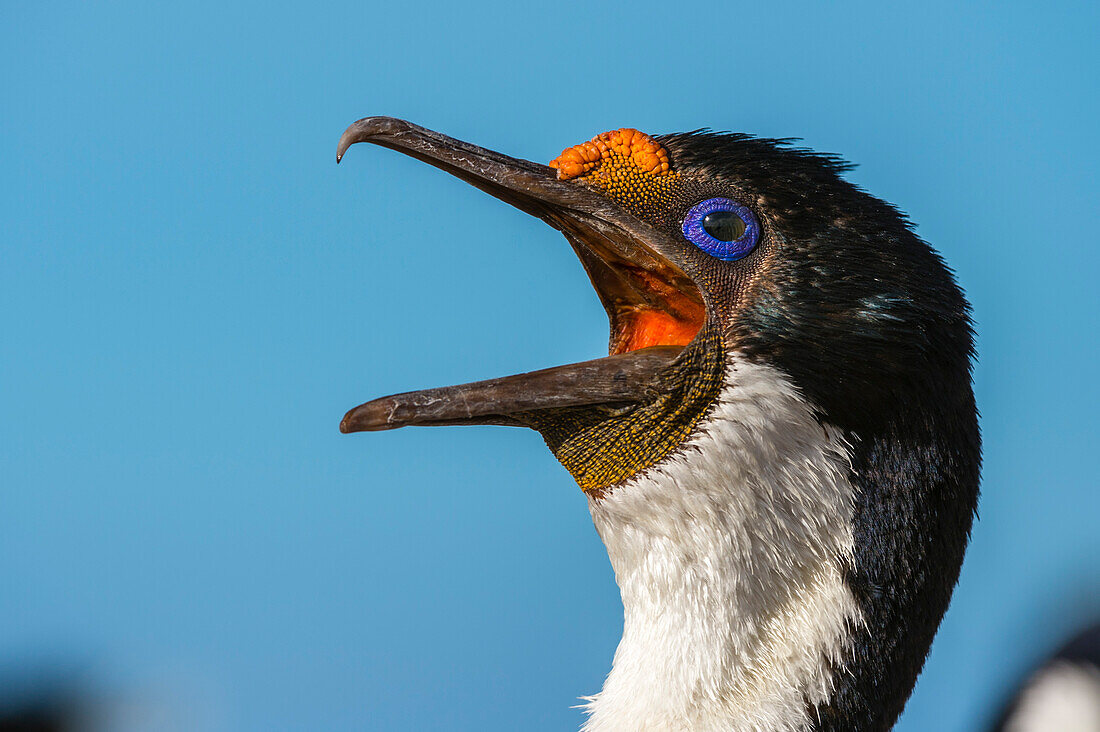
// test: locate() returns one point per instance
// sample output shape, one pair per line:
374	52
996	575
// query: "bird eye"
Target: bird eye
722	228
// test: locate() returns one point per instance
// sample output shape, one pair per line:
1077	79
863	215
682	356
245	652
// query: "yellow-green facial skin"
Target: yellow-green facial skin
601	448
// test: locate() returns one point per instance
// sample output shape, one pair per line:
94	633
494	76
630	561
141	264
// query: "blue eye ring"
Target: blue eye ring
727	251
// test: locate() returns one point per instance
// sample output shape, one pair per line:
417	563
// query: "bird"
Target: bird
1062	695
781	451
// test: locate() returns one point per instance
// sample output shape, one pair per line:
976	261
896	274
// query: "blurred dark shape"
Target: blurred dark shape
1062	694
45	713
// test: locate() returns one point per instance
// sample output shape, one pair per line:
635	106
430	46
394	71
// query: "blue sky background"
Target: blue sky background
192	294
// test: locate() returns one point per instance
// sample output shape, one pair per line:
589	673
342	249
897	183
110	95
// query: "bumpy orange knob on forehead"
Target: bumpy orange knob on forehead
617	148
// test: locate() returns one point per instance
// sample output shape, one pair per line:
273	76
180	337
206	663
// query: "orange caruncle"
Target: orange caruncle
626	165
619	148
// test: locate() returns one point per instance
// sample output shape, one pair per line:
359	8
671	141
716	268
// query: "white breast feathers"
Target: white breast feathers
729	555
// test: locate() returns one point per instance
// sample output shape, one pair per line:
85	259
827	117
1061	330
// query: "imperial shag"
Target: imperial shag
781	452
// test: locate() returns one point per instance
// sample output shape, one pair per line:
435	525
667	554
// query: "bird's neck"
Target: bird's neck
730	557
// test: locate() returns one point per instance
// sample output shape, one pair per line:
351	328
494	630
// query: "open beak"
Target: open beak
653	307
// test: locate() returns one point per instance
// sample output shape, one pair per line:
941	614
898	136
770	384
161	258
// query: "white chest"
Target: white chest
729	556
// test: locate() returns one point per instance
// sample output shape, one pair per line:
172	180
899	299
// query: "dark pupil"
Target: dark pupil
724	225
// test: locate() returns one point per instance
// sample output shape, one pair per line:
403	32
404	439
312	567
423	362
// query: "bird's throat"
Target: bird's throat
601	448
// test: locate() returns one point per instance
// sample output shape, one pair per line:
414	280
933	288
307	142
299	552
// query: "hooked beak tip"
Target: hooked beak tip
366	128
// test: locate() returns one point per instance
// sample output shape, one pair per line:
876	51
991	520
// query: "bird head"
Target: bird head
700	245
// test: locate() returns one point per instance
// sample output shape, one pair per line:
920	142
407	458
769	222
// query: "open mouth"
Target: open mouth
654	308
